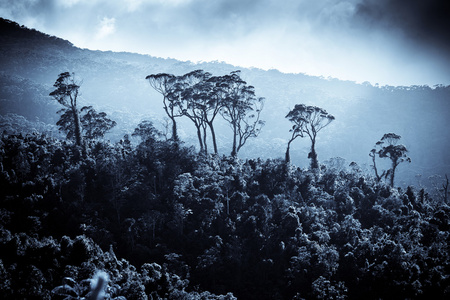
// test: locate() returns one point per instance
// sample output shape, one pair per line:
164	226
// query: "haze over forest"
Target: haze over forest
101	198
115	83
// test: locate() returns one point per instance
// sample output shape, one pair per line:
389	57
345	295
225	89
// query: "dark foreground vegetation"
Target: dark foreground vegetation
167	223
151	218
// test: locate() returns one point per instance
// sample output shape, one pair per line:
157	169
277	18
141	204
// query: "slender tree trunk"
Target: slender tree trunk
213	136
394	166
77	131
378	177
313	155
174	129
199	136
288	156
233	151
239	146
204	139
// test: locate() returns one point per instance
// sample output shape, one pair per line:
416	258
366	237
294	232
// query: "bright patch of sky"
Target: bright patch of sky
106	27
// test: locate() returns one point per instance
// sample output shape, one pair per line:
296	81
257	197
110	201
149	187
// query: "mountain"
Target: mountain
30	62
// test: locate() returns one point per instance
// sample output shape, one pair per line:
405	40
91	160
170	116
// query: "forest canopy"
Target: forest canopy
165	222
101	195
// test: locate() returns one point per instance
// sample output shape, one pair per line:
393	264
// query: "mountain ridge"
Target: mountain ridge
115	83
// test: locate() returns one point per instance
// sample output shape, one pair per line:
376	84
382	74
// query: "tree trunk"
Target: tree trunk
213	136
375	168
288	156
77	129
394	166
199	136
313	155
204	140
174	130
233	151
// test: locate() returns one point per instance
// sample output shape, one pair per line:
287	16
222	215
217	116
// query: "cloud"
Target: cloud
383	41
68	3
422	22
133	5
107	27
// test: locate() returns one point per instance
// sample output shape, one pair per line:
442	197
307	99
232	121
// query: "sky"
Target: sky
389	42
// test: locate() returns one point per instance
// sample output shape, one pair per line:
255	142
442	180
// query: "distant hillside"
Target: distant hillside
115	83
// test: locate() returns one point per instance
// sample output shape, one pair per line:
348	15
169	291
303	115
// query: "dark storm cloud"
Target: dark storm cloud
425	22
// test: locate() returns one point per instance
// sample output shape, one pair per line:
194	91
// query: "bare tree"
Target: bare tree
308	121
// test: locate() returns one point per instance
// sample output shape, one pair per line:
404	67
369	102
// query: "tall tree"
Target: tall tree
166	85
66	93
241	109
203	97
195	92
213	106
94	124
373	155
388	148
308	120
147	131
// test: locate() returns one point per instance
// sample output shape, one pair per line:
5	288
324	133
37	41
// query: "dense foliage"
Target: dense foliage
114	83
152	219
164	222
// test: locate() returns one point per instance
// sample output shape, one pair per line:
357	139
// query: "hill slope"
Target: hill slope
192	226
114	82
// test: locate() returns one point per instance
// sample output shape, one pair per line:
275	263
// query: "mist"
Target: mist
382	42
102	182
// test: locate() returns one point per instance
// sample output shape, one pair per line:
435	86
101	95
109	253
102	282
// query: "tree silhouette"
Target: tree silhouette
373	155
166	85
94	124
241	109
66	93
195	91
308	120
66	124
388	148
147	131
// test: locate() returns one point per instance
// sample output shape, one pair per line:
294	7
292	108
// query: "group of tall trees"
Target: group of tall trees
201	97
308	121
